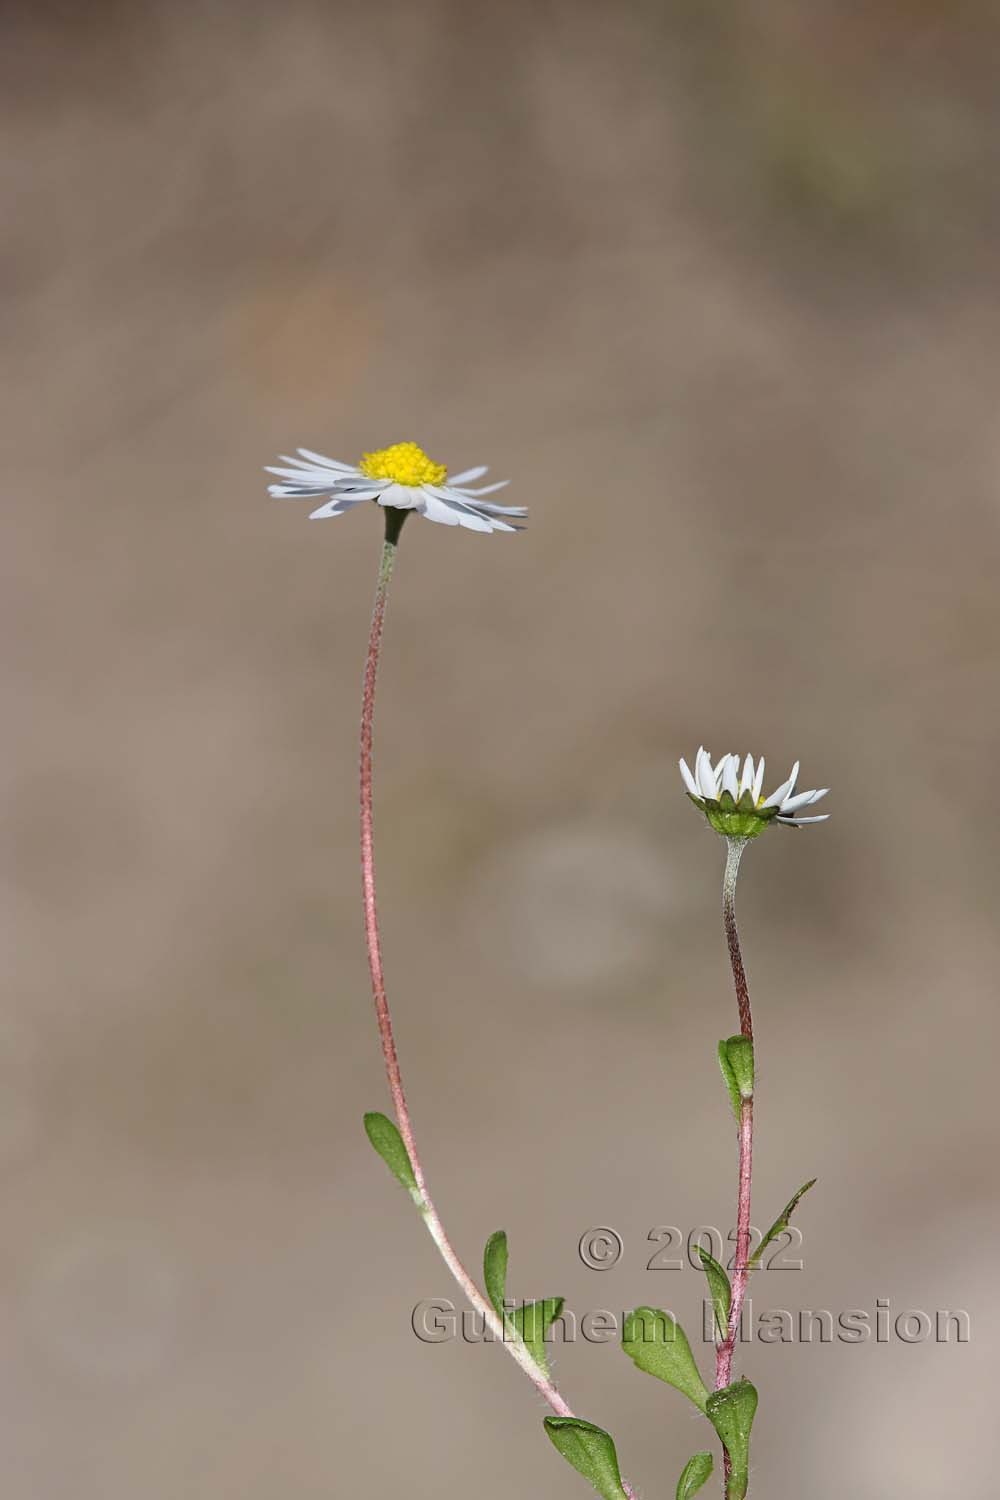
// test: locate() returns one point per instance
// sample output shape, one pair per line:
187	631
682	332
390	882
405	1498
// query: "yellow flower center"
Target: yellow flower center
404	463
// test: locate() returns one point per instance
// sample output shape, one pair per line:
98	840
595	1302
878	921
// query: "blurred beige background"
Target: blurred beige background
717	288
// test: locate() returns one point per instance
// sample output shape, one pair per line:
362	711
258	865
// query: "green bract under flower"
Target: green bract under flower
736	820
734	803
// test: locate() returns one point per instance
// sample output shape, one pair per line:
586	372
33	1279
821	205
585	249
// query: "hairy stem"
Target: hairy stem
734	853
741	1267
503	1334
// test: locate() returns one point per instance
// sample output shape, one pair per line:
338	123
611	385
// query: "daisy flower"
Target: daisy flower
402	477
733	802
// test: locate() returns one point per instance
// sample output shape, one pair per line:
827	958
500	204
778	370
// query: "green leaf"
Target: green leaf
591	1451
694	1474
532	1320
739	1054
731	1413
718	1285
658	1344
389	1144
495	1270
729	1077
780	1224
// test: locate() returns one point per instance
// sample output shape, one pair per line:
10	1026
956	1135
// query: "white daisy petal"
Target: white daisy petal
359	486
436	509
705	775
468	474
305	477
495	523
486	489
729	782
797	822
801	799
784	790
450	497
300	465
327	463
689	780
502	510
746	780
758	781
401	497
333	508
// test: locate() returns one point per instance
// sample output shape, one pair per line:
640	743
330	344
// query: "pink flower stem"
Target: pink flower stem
741	1267
503	1334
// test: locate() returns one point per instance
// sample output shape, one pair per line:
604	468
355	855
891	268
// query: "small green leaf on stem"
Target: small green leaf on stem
495	1270
718	1285
780	1224
389	1144
739	1054
591	1451
729	1078
731	1413
694	1474
532	1321
657	1344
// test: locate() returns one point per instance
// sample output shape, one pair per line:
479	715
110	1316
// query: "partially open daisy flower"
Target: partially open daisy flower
402	477
733	801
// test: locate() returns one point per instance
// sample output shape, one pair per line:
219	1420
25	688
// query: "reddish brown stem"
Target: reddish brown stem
734	851
515	1346
372	937
741	1266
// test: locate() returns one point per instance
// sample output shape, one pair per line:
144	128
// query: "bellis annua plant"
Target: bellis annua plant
401	479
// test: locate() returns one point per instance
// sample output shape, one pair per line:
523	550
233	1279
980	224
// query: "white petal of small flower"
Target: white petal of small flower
797	822
729	782
325	463
518	511
704	774
338	506
802	799
401	496
437	506
689	780
313	478
478	516
467	475
746	780
485	489
785	789
758	781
